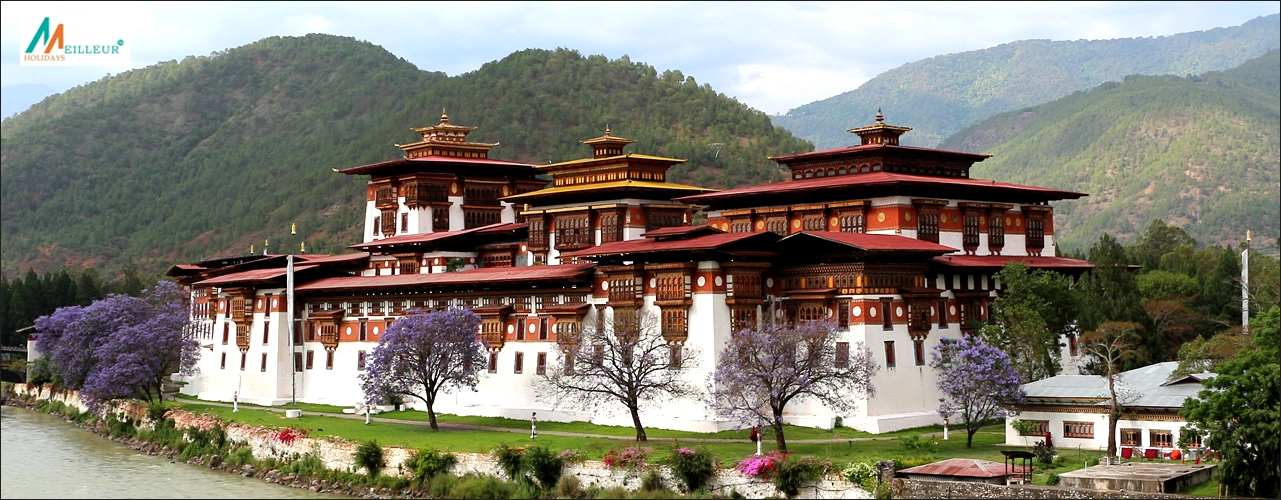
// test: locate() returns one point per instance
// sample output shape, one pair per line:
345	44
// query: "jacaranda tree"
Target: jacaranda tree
977	380
423	354
762	370
120	346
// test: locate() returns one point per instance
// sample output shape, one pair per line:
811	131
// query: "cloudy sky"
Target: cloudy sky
771	56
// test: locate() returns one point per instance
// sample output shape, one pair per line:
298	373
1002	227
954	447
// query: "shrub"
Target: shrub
243	455
440	485
427	462
915	443
391	482
156	411
901	463
760	466
790	475
1052	479
569	487
509	460
543	465
653	481
629	458
692	467
484	487
861	473
615	492
1043	452
370	456
573	456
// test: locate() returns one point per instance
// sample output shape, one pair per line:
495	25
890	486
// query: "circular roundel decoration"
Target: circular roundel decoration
453	188
955	217
349	331
898	311
222	306
504	190
833	222
980	310
880	217
830	312
258	305
435	261
471	260
982	219
604	285
1007	221
951	310
720	281
511	328
724	226
907	216
375	330
424	262
760	224
871	311
702	281
769	282
858	311
653	282
275	302
931	310
796	224
523	248
533	328
1018	222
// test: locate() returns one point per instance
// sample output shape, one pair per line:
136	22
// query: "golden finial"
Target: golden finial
266	242
1247	235
880	118
606	130
302	248
444	117
293	228
251	249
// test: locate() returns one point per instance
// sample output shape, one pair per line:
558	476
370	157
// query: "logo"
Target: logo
71	41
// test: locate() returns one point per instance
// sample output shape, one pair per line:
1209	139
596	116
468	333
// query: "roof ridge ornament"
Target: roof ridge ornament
879	132
444	117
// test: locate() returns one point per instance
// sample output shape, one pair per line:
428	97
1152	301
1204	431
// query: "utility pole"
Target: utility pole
293	349
1245	286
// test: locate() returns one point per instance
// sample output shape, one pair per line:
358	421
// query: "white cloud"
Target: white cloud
772	56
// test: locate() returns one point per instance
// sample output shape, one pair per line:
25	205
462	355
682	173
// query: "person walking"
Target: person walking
533	425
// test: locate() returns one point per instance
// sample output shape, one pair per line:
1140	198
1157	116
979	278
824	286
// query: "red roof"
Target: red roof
997	261
478	277
416	239
879	180
963	467
674	230
254	276
373	167
875	242
864	149
333	259
649	245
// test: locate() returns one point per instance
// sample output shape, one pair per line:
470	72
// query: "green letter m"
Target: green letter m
42	36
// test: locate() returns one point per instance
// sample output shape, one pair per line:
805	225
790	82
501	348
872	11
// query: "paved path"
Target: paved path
451	425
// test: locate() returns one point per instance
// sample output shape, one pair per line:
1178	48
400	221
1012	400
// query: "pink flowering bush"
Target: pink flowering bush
288	435
629	458
761	466
572	456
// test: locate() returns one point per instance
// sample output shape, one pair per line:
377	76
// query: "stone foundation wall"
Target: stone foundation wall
339	454
907	488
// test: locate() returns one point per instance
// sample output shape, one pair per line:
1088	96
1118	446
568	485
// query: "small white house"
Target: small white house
1073	409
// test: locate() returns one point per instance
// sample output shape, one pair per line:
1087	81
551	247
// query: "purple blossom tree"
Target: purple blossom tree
978	380
120	346
762	370
423	354
628	365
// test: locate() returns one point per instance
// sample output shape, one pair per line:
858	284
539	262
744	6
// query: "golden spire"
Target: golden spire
303	247
880	118
251	249
606	130
444	117
293	228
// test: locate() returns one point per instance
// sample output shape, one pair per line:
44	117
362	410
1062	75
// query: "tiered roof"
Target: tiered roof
444	148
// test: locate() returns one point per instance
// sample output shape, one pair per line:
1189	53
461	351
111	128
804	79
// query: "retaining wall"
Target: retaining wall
908	488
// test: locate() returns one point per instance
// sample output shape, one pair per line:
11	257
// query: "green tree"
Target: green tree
1029	318
1159	239
1239	412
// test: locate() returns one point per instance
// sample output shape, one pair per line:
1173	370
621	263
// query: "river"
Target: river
46	457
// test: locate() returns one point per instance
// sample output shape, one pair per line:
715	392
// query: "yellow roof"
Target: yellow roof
608	185
610	158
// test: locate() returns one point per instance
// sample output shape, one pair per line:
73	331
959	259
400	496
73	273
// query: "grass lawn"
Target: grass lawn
319	422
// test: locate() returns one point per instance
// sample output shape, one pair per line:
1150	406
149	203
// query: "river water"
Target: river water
45	457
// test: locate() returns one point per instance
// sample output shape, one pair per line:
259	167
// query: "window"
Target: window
1078	430
266	331
541	369
610	229
927	224
918	348
1131	437
1160	438
389	222
1072	344
543	327
226	332
569	362
996	232
674	361
311	332
360	360
598	354
329	360
887	318
493	362
1040	427
311	355
297	333
223	365
264	362
843	314
970	231
521	328
1194	440
377	223
297	361
243	359
1035	234
364	331
537	234
852	223
889	354
404	222
942	310
842	354
519	365
440	218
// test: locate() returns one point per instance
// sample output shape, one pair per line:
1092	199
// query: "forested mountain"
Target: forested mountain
1202	153
204	157
940	95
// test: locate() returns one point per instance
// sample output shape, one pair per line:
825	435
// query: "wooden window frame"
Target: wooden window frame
360	361
518	363
297	362
1136	434
1078	430
842	355
890	362
266	332
918	350
541	367
1161	438
493	362
887	314
264	363
329	360
244	359
223	365
311	357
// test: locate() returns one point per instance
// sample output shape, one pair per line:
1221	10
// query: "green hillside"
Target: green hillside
204	157
940	95
1200	152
